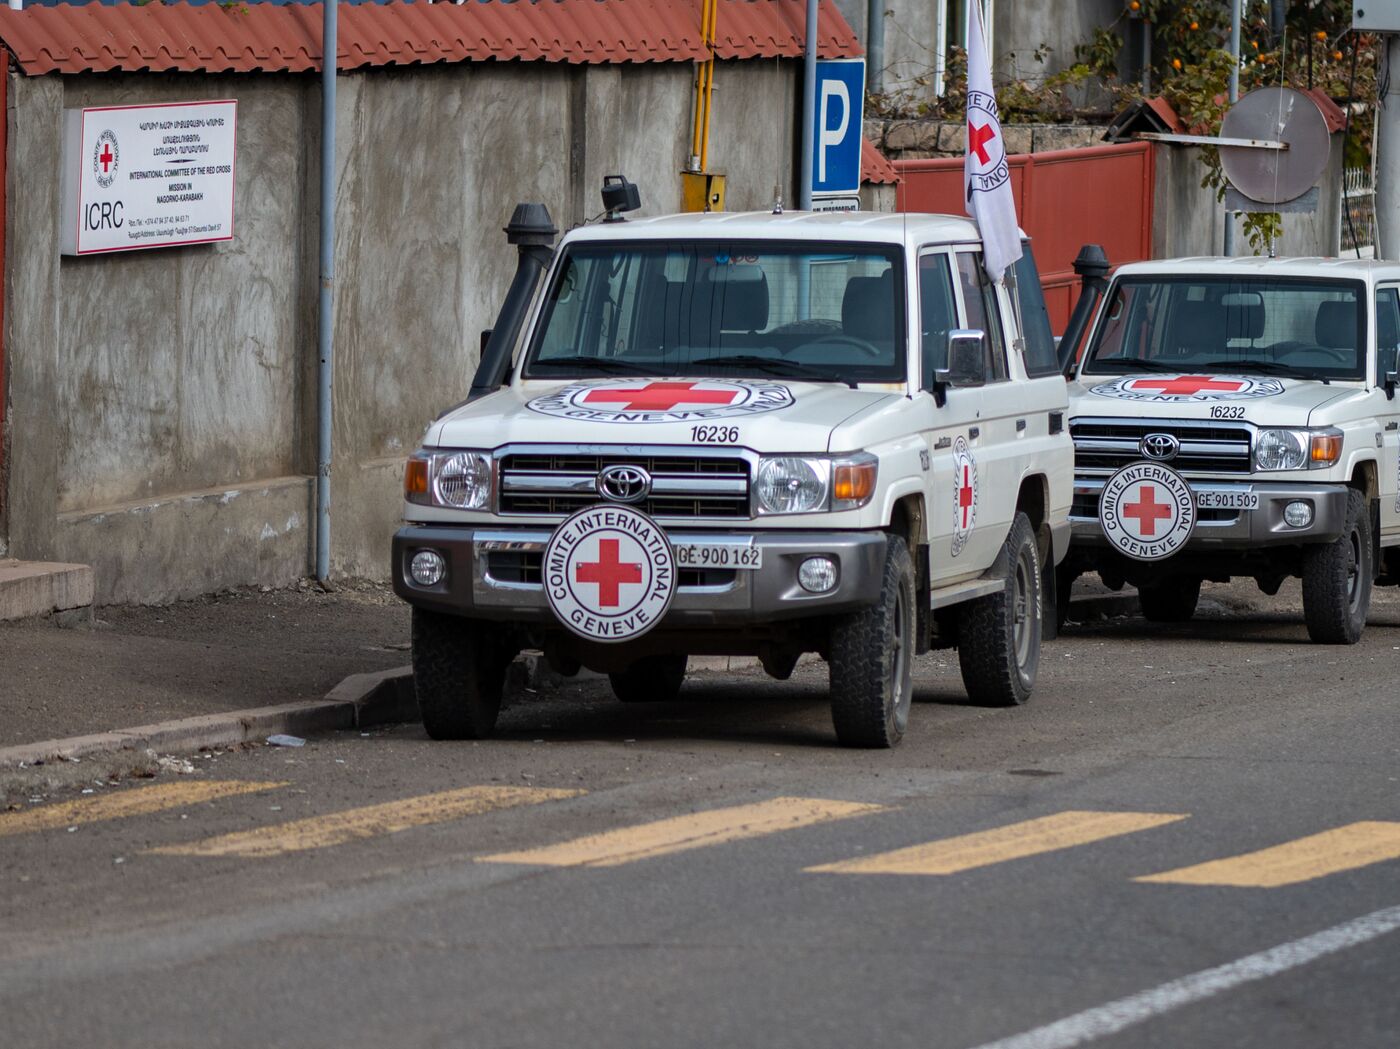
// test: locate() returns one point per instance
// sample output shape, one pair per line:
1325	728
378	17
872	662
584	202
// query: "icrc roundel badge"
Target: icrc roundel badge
1175	388
609	573
663	401
964	494
1147	511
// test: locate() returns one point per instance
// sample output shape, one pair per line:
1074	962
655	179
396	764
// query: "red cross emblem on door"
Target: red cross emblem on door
966	495
608	573
660	396
1147	511
1188	385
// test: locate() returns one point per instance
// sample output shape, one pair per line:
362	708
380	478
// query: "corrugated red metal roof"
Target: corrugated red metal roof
272	38
874	166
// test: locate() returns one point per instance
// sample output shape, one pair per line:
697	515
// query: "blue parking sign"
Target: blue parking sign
839	114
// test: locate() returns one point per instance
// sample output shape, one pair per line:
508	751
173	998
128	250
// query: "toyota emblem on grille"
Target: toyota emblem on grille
1159	446
624	484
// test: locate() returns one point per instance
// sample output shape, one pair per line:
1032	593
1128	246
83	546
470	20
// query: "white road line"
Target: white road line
1113	1017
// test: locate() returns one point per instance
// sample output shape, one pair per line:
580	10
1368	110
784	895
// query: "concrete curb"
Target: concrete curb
358	701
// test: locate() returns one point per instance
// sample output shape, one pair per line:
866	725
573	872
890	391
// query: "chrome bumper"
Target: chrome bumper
478	585
1237	529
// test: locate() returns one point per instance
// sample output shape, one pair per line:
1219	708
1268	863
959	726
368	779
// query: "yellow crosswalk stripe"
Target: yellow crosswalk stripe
679	833
1012	842
1317	855
137	801
337	828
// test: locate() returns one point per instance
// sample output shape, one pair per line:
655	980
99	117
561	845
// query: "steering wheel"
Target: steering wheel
868	348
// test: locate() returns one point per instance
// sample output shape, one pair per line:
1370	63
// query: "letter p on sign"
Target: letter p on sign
839	115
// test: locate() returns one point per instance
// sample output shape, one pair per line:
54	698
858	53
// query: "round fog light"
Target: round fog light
427	568
1298	514
817	574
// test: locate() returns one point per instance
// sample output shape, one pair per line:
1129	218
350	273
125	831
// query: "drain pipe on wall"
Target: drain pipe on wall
809	107
326	347
875	45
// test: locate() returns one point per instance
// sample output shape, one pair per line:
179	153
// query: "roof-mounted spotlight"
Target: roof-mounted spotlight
619	196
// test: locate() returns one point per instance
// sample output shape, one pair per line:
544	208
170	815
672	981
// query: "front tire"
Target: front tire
870	662
1337	580
655	679
459	672
1170	601
999	635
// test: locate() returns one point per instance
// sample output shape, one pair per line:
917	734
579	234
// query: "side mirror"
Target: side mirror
967	359
1390	370
1391	380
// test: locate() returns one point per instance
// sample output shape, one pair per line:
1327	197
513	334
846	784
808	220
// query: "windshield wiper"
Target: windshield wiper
776	366
1128	364
607	365
1287	371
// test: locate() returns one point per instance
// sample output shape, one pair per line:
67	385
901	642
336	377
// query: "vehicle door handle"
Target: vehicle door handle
1392	426
1020	425
974	433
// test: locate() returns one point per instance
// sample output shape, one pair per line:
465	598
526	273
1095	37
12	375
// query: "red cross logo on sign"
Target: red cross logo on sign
1147	511
1188	384
660	396
609	572
977	139
106	158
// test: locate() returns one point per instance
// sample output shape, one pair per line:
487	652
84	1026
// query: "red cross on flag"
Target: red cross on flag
986	175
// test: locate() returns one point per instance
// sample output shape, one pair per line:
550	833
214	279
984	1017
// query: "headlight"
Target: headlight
1280	450
457	480
1297	449
789	485
792	484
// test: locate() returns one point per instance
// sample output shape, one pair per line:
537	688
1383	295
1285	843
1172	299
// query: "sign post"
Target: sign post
837	124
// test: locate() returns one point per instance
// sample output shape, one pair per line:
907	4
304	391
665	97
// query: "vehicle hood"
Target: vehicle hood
1266	400
768	415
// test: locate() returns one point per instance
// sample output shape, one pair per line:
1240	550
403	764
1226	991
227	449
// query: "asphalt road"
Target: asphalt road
714	871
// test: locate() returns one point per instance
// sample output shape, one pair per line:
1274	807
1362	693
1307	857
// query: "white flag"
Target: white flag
986	176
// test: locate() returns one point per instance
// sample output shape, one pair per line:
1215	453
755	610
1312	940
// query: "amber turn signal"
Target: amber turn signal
415	478
1326	447
854	482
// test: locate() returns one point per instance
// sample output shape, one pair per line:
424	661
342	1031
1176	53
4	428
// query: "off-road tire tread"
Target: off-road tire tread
1325	608
986	633
1171	601
653	679
859	643
459	668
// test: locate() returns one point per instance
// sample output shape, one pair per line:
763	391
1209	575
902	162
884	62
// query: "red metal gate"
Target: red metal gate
1064	200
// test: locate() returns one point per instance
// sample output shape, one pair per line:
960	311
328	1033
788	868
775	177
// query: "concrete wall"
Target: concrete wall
1188	221
161	404
1018	30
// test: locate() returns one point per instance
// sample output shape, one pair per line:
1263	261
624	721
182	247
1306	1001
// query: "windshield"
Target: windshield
1282	326
723	309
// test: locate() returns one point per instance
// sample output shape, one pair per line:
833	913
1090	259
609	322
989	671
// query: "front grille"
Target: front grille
1102	446
544	484
527	567
1086	504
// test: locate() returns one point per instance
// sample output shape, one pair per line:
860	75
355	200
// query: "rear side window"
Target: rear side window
1387	332
1041	358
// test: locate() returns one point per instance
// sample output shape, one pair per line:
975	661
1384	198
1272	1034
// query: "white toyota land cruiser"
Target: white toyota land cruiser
761	434
1237	417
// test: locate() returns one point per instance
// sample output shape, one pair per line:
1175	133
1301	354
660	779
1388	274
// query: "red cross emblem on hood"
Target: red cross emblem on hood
660	396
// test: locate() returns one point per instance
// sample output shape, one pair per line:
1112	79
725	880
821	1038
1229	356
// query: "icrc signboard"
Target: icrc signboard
154	176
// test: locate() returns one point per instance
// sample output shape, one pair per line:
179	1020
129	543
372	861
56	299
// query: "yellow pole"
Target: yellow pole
713	12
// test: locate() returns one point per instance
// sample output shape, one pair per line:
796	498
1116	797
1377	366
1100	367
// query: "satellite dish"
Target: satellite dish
1278	114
